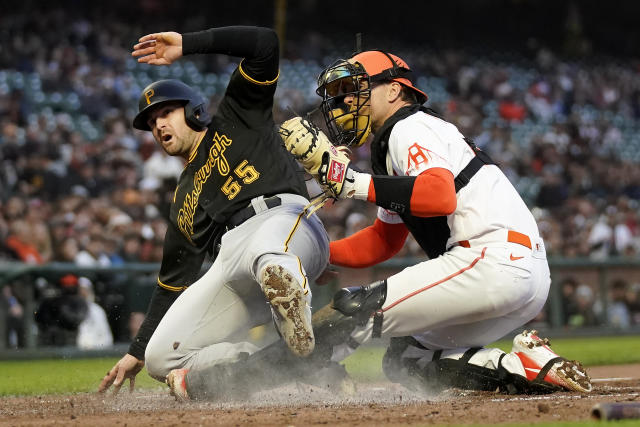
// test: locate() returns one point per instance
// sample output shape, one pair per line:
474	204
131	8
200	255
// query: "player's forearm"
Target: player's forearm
432	193
257	45
160	302
368	246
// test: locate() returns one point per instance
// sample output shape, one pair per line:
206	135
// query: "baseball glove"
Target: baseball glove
328	164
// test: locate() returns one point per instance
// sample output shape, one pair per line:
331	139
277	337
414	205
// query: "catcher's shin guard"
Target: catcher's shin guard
360	303
351	307
440	374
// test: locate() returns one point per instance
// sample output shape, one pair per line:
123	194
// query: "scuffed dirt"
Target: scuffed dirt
383	404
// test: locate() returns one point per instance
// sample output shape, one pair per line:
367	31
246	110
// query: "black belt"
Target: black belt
245	213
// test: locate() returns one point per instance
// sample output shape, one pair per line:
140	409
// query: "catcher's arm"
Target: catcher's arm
432	193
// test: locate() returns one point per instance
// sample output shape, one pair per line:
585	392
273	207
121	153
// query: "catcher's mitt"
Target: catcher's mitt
328	164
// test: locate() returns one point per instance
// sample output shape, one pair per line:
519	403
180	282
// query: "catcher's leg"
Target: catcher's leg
275	364
418	368
530	368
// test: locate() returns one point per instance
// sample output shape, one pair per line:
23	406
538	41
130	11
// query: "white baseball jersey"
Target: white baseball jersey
488	282
489	202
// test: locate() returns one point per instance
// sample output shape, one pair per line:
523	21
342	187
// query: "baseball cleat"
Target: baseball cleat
176	380
539	360
291	311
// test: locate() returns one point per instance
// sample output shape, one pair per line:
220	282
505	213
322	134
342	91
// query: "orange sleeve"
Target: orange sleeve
433	193
369	246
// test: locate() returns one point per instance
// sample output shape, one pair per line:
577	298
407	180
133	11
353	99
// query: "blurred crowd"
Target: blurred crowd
583	306
95	192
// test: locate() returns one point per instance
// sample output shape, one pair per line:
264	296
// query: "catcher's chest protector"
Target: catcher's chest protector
431	233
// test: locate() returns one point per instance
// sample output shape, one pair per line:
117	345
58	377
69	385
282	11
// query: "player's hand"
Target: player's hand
127	367
158	48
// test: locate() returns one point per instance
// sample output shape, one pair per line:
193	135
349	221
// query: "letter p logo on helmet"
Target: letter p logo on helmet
148	94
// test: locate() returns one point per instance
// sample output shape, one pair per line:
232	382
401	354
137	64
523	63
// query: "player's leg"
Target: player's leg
207	324
274	365
281	249
464	286
288	250
355	313
530	367
452	355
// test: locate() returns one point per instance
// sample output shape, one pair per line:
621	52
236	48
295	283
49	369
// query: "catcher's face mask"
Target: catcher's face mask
346	97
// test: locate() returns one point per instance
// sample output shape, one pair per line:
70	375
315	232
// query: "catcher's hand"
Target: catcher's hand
328	164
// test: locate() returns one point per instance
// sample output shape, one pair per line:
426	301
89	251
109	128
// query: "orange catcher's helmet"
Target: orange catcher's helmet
351	124
383	66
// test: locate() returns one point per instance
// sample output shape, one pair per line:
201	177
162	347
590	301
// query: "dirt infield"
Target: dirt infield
373	404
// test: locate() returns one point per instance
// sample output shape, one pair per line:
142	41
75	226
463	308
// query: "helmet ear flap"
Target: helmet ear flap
196	115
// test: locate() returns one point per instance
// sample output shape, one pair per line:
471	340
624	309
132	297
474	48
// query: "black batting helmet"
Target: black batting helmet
195	108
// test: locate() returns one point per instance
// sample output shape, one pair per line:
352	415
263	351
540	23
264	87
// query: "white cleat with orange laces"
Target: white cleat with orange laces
542	364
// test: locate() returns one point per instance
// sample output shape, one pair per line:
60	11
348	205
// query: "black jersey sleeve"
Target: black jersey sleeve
249	96
257	45
160	302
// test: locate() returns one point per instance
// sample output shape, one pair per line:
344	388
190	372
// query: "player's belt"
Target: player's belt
512	236
245	213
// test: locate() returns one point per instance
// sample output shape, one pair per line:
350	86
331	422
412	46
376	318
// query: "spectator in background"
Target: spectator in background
59	315
93	254
633	302
585	314
135	321
553	191
569	300
623	240
19	242
40	236
510	109
14	320
617	311
355	222
601	238
68	250
94	331
131	247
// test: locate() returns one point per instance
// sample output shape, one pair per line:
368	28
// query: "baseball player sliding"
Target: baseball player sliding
487	272
241	198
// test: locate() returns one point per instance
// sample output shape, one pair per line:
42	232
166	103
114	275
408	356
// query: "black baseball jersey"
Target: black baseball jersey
240	157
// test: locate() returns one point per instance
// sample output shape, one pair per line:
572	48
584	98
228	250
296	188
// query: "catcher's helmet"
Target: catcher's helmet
195	107
349	124
383	66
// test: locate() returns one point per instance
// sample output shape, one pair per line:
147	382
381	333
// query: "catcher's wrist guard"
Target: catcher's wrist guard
356	185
